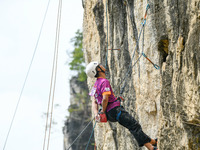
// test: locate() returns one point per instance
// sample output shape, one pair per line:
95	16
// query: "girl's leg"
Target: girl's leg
126	120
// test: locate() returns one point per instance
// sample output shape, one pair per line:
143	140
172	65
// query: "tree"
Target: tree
77	63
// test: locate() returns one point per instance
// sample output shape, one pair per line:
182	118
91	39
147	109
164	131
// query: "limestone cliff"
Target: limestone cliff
166	102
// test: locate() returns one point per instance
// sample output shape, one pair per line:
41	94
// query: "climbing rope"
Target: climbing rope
141	54
136	47
81	133
106	66
145	16
53	77
27	74
90	136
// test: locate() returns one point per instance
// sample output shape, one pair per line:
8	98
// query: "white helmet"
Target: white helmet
91	69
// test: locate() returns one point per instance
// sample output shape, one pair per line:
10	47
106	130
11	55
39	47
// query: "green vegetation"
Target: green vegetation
77	63
73	110
82	96
80	102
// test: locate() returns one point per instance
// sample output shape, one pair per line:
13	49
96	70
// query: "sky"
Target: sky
20	23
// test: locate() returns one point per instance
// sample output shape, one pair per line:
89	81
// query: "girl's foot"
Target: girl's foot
150	147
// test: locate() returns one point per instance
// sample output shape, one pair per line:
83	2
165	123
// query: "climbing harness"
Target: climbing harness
120	98
118	115
27	74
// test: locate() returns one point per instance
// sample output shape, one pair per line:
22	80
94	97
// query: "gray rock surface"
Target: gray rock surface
166	102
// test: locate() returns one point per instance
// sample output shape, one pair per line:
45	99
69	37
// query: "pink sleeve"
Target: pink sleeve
106	88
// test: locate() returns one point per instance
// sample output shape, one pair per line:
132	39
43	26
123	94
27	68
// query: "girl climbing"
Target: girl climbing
111	108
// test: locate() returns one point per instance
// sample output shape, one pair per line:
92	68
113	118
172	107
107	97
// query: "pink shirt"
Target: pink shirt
102	87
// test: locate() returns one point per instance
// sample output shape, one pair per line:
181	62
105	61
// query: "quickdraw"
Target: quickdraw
156	66
136	47
145	16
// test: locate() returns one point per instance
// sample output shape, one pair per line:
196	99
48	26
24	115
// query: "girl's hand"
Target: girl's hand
97	118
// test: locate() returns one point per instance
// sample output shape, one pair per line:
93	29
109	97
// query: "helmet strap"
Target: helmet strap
100	69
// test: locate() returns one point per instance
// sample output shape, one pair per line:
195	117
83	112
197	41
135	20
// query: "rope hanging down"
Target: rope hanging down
141	54
53	77
90	136
27	74
81	133
107	36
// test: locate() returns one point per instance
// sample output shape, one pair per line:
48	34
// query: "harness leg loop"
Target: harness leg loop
118	115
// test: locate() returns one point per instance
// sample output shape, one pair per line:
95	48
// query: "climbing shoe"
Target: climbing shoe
155	143
155	148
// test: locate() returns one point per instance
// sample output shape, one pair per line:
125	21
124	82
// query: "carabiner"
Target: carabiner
144	55
156	66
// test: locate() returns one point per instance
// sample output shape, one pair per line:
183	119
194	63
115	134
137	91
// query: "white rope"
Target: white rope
53	78
27	74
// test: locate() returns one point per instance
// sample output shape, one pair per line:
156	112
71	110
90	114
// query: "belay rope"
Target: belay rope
90	136
82	133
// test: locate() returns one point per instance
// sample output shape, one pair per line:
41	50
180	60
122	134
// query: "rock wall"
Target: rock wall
166	102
